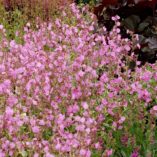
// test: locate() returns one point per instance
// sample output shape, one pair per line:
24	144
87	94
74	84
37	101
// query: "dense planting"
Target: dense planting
71	89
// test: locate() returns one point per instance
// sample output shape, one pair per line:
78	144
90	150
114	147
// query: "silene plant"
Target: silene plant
70	91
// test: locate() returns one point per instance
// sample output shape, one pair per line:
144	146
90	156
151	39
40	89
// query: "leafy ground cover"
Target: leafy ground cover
69	88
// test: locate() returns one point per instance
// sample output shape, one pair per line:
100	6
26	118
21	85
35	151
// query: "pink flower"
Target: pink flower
76	93
1	54
97	145
82	152
104	78
9	111
80	128
35	129
145	95
49	155
146	76
108	152
134	154
88	153
127	48
155	108
1	26
2	68
2	154
12	100
36	155
155	76
58	146
85	105
122	119
13	44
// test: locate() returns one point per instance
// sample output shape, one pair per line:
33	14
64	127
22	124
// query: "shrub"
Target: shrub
70	90
138	16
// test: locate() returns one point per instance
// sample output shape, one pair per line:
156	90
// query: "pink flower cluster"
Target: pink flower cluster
57	89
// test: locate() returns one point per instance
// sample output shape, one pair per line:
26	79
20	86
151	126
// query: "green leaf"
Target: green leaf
142	26
123	154
146	49
142	39
132	22
47	134
24	153
96	153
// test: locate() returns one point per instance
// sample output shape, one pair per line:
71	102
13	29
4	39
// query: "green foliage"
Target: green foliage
14	23
16	19
47	134
87	1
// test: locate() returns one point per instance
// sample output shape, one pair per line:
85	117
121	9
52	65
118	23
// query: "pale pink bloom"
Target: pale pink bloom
58	146
127	47
49	155
36	129
85	105
88	153
146	76
122	119
104	78
82	152
155	108
109	152
2	68
1	54
9	111
36	155
28	24
76	93
12	100
1	26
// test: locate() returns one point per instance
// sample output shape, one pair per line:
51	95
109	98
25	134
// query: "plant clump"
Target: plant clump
69	89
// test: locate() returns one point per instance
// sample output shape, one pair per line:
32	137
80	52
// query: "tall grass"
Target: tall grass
15	14
33	8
